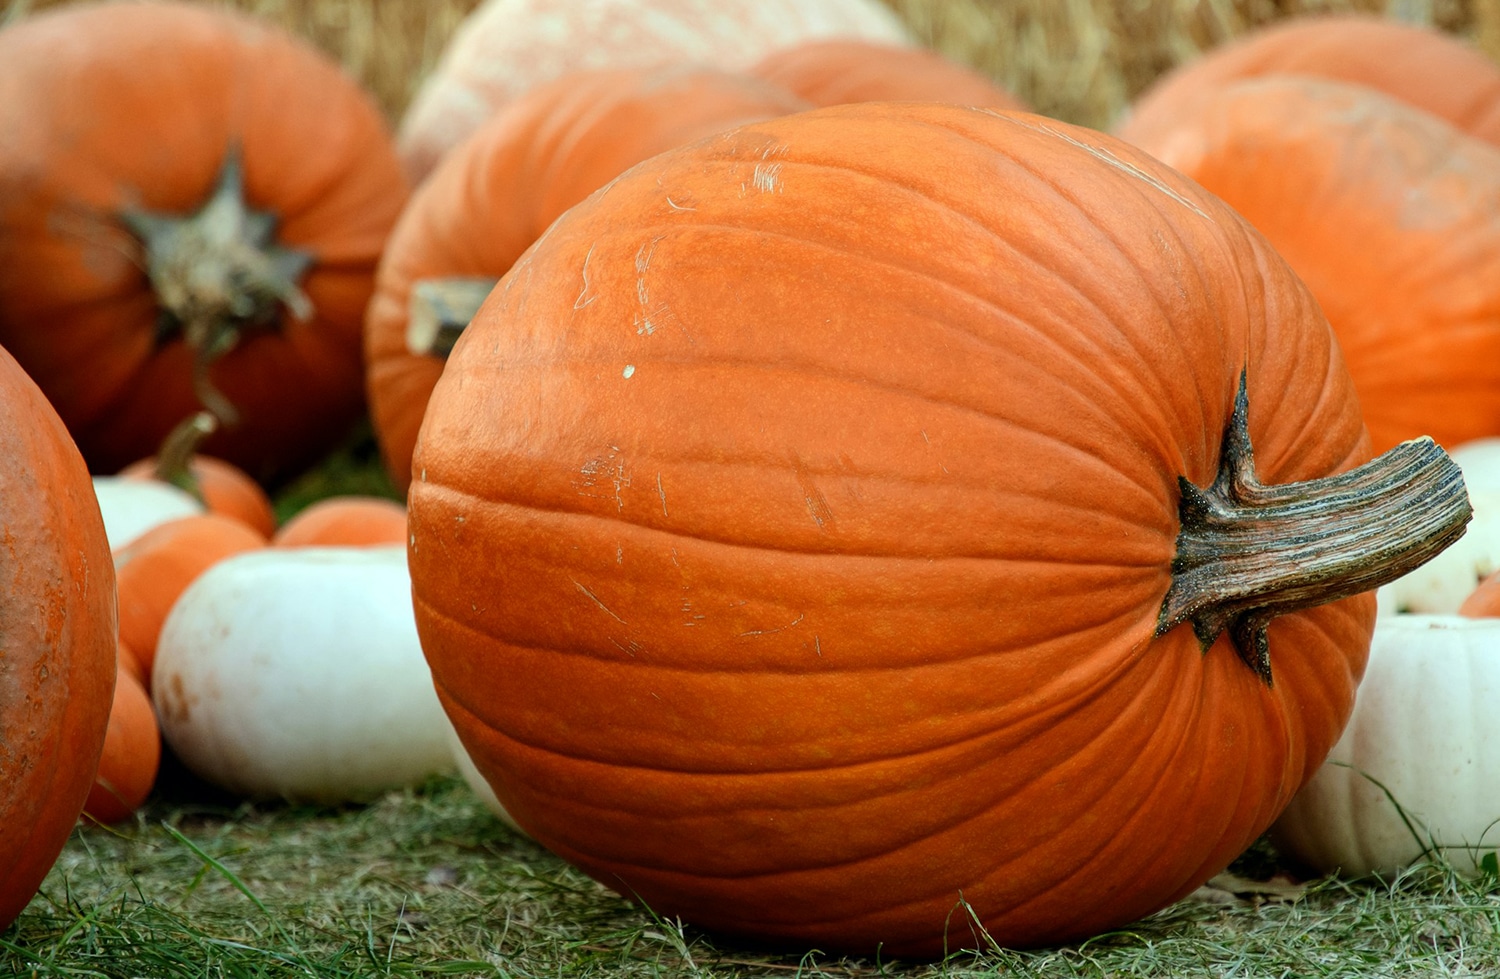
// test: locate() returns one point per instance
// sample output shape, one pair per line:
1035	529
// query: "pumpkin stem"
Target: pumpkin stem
174	459
218	274
1247	552
439	311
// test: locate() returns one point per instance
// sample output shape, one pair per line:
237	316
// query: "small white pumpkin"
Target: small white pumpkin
1418	766
297	673
133	506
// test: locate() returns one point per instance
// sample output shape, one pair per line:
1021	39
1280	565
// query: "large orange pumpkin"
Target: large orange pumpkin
842	605
497	193
505	48
192	204
1388	214
1423	66
57	637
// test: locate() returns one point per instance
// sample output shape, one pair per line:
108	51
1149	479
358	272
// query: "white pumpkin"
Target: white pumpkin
477	782
1418	766
1441	585
297	673
506	47
133	506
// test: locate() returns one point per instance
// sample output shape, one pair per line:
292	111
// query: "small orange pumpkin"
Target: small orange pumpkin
132	754
344	521
192	203
841	70
57	633
223	487
498	192
850	606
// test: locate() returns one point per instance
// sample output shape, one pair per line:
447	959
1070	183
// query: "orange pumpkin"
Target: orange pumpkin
505	48
155	568
1484	601
846	603
223	487
57	637
1386	212
500	190
132	754
344	521
843	70
1423	66
192	204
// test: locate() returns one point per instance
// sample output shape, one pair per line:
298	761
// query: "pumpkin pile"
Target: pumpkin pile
843	508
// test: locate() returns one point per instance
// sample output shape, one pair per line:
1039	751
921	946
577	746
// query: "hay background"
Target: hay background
1077	60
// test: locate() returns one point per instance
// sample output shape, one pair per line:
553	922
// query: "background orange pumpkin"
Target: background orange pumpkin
1387	213
841	70
57	633
1425	67
120	115
498	192
505	48
825	612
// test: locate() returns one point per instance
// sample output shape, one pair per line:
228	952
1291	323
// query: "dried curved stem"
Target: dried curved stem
174	460
1247	552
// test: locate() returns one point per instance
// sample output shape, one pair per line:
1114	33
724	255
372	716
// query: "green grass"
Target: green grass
427	883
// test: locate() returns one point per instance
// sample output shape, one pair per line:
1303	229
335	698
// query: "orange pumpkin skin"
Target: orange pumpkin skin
839	71
226	490
57	634
143	104
497	192
831	601
345	521
153	570
1386	212
132	755
1422	66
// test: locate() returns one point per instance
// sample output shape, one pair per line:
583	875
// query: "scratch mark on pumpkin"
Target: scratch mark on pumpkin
662	495
766	178
630	647
767	632
595	599
818	647
1125	166
581	302
679	207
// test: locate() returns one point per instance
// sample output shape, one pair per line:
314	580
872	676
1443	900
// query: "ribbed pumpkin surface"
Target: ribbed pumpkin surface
789	531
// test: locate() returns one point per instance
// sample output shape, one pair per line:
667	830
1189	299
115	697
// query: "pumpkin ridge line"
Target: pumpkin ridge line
1145	564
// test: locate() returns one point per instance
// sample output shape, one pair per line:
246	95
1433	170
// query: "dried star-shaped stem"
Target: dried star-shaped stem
218	273
1247	552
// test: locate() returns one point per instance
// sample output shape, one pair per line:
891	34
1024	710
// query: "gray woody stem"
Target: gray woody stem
1247	552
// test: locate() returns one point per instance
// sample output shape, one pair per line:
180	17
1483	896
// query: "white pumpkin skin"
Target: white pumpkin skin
297	673
1442	584
132	506
1426	725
